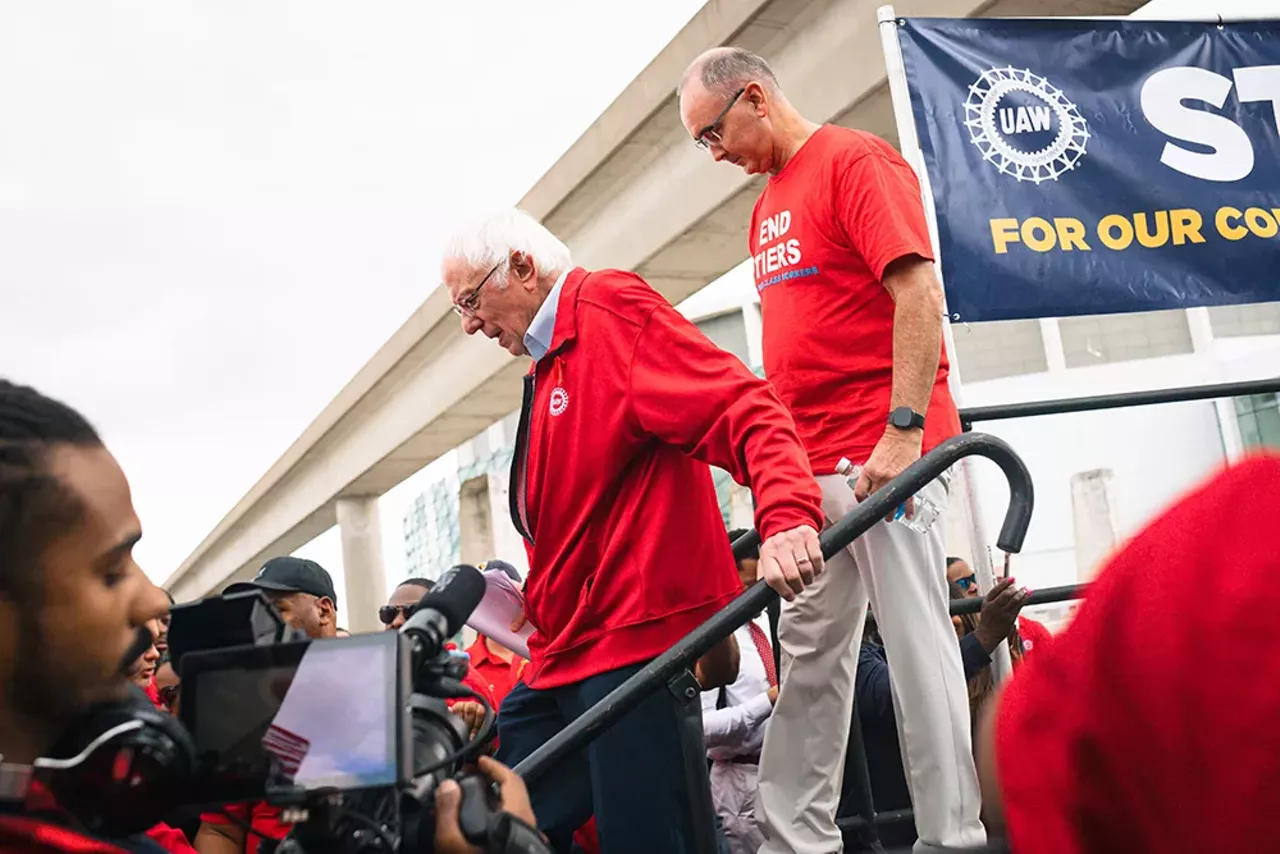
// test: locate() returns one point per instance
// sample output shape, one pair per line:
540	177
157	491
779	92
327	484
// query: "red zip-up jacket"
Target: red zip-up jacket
610	486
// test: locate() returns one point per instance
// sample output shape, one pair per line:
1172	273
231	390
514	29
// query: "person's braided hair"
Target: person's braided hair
33	504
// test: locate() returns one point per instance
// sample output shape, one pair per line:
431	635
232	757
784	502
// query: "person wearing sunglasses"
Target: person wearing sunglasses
1032	632
401	604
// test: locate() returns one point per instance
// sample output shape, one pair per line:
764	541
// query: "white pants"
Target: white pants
733	791
903	575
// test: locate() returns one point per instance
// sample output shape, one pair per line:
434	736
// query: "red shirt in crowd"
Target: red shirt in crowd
1034	635
498	676
823	231
620	420
24	835
1150	724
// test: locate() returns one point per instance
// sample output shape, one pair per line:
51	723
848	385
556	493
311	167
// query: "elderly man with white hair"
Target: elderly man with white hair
625	405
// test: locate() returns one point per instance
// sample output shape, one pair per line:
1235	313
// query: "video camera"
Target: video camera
348	736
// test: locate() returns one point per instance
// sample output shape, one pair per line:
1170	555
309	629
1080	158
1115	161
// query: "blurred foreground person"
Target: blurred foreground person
1110	738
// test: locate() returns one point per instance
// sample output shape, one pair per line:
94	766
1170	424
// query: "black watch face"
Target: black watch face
903	419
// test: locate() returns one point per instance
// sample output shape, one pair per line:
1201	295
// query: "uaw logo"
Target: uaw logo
559	400
1024	125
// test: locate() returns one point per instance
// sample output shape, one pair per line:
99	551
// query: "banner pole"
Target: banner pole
909	144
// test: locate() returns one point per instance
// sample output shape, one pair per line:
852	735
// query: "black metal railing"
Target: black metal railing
1006	411
659	672
1038	597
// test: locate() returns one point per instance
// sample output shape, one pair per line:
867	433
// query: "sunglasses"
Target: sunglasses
967	582
388	613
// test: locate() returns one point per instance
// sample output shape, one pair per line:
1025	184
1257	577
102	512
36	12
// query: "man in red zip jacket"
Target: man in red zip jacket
625	405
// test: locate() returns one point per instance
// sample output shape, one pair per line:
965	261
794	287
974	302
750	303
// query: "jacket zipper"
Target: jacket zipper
518	488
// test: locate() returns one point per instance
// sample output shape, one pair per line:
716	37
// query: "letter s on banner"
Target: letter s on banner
1161	99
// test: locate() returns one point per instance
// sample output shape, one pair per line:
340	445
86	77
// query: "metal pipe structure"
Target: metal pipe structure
1038	597
1005	411
656	674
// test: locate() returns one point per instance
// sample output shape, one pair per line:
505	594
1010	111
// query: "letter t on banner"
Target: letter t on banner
909	142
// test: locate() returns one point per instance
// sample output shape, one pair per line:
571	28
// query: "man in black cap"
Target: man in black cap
302	592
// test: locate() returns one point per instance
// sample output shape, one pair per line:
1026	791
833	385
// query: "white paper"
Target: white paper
502	602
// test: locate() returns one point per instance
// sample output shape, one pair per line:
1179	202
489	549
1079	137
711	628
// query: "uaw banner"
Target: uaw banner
1091	167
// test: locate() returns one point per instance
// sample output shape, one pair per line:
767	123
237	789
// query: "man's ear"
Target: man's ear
328	610
523	269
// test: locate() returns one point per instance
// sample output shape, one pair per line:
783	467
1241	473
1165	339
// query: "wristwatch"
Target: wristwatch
906	418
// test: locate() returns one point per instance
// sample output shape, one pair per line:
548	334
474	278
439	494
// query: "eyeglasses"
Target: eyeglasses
469	303
967	582
388	613
710	135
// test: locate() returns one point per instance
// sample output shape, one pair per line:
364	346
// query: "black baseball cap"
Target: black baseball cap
502	565
289	575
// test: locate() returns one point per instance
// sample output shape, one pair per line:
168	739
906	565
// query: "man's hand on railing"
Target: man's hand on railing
791	560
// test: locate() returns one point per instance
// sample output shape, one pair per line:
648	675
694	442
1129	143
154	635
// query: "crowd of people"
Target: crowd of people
1104	740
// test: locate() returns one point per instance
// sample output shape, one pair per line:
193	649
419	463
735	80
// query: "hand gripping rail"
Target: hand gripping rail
657	673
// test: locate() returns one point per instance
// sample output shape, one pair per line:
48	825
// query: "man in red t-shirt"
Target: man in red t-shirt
853	316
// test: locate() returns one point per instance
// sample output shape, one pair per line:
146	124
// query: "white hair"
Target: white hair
491	239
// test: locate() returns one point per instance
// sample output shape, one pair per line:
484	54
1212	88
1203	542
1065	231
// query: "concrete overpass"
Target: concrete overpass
632	192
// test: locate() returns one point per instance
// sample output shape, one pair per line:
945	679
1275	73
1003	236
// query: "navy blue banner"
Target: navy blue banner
1091	167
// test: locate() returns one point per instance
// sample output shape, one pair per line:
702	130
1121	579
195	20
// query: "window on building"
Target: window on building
1234	321
728	331
998	348
1098	339
1259	417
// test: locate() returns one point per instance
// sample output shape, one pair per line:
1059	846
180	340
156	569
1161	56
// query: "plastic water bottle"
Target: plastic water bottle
921	518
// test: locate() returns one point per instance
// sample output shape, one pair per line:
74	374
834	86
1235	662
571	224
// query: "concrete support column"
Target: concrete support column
1093	516
484	523
366	575
741	513
1201	326
1055	358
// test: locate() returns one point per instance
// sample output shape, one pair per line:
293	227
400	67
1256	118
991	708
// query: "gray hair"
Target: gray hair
728	69
490	240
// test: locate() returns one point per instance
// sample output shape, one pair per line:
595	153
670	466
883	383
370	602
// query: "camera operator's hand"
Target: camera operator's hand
515	800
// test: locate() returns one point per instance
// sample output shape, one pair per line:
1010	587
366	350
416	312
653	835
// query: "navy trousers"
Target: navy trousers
644	778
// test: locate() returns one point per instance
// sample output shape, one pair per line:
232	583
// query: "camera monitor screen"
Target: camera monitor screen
321	713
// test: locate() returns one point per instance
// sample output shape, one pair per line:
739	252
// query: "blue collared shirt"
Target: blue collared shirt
537	339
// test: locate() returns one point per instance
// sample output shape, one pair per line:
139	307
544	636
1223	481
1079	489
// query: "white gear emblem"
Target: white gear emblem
559	400
990	132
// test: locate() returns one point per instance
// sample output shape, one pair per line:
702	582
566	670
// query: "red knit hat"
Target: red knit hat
1153	723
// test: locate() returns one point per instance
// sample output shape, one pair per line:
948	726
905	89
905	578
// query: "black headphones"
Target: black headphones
120	766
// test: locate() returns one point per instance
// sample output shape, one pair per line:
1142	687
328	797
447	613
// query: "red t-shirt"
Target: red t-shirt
24	835
822	233
498	675
1149	725
170	839
263	820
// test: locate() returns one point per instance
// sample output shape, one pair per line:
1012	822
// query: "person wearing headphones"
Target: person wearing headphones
73	605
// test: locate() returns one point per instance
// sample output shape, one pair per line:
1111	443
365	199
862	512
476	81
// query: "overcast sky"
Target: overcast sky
212	214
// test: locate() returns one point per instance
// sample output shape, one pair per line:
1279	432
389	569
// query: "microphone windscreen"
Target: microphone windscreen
456	595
